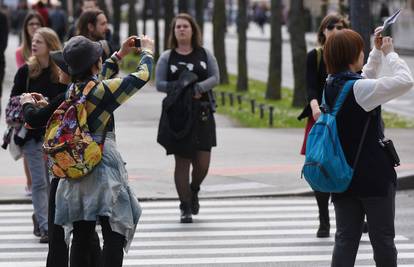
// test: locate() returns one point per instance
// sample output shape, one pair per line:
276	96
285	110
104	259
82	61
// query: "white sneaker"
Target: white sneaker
28	191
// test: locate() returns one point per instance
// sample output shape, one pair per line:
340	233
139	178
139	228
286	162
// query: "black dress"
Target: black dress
205	129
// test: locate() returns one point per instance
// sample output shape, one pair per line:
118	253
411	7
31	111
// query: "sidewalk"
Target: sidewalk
246	162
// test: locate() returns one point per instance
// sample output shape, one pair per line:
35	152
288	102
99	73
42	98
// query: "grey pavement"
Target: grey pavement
246	162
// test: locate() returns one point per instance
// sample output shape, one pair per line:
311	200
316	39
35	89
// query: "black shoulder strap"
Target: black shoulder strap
318	58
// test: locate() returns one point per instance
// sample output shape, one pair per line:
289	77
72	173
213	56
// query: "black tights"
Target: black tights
58	250
84	232
200	163
323	202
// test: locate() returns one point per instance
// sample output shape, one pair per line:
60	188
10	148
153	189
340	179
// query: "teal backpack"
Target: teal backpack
326	168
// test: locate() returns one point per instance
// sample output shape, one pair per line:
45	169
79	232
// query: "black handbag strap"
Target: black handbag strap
361	143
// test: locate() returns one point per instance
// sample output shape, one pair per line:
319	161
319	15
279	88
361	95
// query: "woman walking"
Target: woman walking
372	189
39	75
104	193
315	82
186	54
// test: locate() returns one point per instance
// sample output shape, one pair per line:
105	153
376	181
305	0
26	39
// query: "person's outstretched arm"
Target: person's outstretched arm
108	95
370	93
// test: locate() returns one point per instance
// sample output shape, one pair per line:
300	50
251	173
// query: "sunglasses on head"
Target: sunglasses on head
330	27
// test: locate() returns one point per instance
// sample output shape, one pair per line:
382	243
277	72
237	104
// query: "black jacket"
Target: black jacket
315	81
178	116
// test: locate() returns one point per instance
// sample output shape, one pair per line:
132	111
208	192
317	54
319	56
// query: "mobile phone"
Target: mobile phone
137	42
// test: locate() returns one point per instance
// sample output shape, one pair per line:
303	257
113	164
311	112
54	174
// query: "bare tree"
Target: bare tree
298	44
132	18
155	16
183	6
274	79
199	10
103	7
361	22
168	17
219	34
242	80
116	21
145	16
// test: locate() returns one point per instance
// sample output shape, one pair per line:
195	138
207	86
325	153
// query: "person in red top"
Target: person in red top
41	8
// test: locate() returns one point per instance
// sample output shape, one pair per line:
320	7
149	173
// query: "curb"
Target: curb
403	183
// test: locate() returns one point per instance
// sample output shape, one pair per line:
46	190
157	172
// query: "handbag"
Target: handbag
15	150
14	110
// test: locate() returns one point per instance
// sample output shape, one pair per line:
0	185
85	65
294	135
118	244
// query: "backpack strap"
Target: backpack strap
340	99
88	88
318	58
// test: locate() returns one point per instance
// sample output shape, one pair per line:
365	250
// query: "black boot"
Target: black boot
324	229
185	208
195	205
324	225
36	229
365	227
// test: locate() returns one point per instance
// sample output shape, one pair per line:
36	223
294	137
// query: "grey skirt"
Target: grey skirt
104	192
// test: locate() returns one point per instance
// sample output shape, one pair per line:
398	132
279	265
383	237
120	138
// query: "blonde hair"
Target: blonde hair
53	44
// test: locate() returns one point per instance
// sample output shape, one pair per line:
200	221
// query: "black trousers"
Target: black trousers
58	249
2	71
83	234
380	212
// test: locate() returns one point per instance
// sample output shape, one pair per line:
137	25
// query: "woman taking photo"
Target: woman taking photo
39	75
104	193
187	55
372	189
315	81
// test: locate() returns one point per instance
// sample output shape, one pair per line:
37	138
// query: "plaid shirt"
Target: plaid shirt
109	94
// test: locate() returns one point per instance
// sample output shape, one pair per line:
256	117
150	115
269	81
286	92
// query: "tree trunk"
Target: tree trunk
274	79
132	18
361	22
242	80
168	17
156	29
103	7
199	10
182	6
145	16
219	25
116	22
298	44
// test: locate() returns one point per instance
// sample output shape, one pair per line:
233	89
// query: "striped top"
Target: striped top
109	94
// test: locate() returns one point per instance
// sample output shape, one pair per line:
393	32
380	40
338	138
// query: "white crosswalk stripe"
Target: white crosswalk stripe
231	232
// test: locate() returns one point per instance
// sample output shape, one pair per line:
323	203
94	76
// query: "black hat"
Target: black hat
57	57
80	54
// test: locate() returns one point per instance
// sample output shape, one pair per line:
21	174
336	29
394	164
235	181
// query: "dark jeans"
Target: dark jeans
58	249
83	233
380	212
2	70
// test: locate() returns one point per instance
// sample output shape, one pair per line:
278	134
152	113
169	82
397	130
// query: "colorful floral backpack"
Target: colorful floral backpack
72	151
